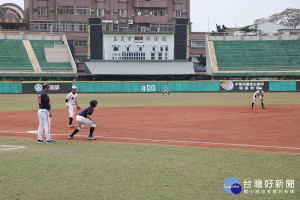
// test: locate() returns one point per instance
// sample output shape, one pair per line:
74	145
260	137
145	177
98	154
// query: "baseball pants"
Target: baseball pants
44	123
81	121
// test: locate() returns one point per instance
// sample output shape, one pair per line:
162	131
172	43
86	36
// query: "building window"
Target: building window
83	10
161	48
65	10
177	1
100	12
80	43
166	48
116	48
43	11
80	59
177	13
166	56
128	49
152	56
58	26
140	48
198	43
163	13
133	56
159	56
122	13
80	27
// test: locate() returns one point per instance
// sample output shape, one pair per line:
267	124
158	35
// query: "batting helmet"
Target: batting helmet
46	85
74	87
93	103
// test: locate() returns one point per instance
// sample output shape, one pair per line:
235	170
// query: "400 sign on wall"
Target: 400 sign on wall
149	88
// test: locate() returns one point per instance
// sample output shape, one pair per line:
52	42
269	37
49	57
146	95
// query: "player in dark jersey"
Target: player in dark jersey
44	115
84	118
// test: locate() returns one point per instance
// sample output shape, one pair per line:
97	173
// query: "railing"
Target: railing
153	28
231	36
29	35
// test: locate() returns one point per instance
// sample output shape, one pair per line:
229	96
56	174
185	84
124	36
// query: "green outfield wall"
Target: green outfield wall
151	87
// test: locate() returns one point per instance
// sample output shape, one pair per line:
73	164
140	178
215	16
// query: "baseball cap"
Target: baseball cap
74	87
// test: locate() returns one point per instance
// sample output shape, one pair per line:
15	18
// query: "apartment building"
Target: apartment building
117	16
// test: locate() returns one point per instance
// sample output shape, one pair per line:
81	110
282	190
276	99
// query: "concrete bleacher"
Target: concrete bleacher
13	56
254	57
35	56
258	55
39	49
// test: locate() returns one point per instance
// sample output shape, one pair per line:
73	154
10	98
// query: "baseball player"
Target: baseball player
166	90
259	94
84	118
71	103
44	115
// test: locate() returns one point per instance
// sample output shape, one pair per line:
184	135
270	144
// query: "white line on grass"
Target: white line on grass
176	141
187	142
9	147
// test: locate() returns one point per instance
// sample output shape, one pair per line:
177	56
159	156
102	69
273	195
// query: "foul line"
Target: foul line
174	141
9	147
187	142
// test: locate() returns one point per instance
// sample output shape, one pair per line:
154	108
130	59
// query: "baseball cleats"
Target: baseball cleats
91	138
71	137
40	141
71	125
50	142
263	107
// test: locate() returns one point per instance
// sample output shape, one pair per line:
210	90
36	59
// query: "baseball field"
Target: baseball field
150	146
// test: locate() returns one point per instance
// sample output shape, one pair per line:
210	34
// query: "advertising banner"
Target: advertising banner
243	86
34	88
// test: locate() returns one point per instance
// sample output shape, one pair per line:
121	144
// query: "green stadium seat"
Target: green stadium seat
255	56
38	47
13	56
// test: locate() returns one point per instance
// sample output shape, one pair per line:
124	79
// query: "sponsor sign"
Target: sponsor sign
243	86
34	88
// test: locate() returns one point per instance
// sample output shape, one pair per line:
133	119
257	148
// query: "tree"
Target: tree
288	17
260	20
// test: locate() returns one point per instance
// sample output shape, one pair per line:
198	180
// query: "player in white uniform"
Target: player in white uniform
71	103
259	94
166	90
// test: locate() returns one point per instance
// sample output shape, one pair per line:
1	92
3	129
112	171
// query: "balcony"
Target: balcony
151	4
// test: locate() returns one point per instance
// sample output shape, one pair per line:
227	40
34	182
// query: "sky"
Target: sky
205	14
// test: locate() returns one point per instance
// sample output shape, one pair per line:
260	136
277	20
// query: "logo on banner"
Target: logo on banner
38	87
227	85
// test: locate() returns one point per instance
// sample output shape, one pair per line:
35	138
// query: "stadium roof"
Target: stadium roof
140	68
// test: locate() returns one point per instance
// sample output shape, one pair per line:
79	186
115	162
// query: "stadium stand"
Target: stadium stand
39	49
255	58
13	56
35	56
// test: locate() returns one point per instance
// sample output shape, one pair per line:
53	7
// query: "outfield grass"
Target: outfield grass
79	170
16	102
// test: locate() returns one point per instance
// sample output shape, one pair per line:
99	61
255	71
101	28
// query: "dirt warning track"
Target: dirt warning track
274	129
